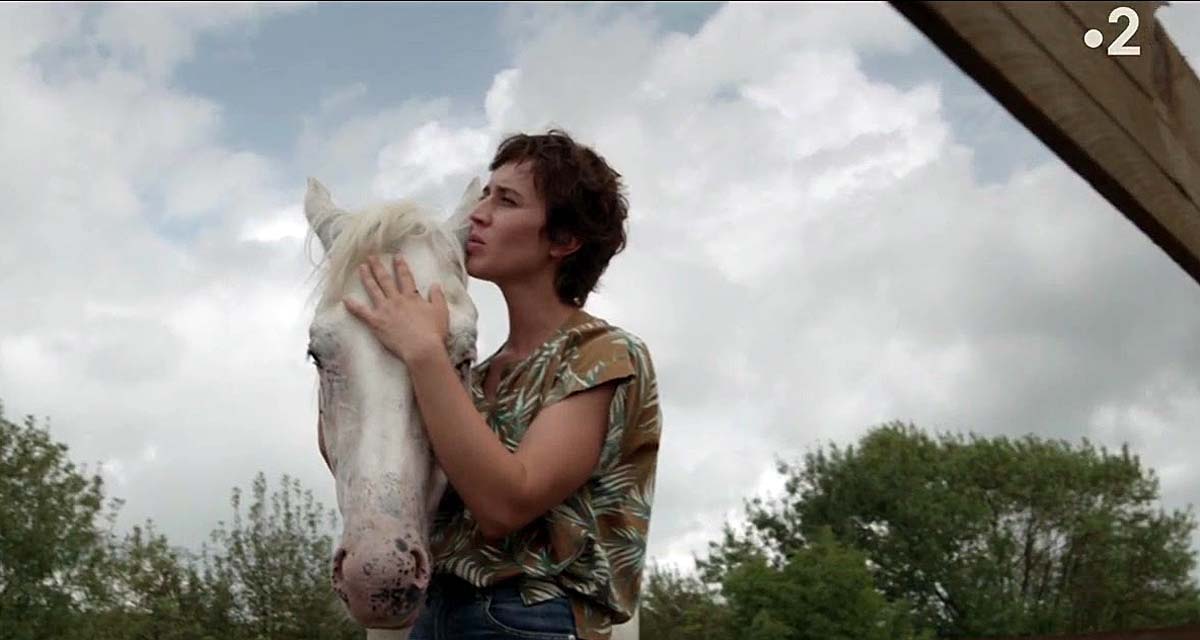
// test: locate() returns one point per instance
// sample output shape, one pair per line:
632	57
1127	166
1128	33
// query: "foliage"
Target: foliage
269	570
64	574
990	536
51	540
675	606
901	535
822	591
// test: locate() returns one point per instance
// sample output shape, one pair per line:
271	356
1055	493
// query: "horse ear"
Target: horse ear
323	216
459	223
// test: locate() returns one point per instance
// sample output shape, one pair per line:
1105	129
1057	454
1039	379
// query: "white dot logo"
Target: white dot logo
1094	38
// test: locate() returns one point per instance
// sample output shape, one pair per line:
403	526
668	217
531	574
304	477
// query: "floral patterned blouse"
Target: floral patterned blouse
592	547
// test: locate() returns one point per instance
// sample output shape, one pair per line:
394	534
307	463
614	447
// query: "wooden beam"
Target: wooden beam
1129	125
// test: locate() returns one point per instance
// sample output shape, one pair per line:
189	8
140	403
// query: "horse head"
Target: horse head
369	426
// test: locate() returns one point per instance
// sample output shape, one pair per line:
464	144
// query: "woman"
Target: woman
551	452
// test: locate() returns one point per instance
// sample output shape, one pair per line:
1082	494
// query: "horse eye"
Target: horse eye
315	359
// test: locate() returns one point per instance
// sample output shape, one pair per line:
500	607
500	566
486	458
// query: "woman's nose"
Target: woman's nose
481	213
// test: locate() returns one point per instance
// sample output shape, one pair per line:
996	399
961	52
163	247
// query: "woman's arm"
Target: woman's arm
506	490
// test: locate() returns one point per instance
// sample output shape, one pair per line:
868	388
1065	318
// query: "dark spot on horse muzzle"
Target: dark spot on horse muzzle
398	601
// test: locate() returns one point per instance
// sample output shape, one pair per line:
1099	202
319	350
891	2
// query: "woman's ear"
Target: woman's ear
564	246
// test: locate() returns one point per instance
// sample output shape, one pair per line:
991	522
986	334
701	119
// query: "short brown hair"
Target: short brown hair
584	199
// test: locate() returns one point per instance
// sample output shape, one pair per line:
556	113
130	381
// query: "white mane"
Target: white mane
377	229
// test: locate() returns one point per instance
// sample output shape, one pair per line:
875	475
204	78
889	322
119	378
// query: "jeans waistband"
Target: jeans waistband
453	587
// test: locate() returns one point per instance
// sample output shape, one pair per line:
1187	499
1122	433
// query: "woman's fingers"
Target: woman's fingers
371	284
381	286
382	278
359	311
404	277
437	296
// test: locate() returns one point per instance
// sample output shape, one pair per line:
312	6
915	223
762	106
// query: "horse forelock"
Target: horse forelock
375	230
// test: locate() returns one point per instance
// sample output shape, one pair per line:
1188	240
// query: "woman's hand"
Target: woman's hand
403	322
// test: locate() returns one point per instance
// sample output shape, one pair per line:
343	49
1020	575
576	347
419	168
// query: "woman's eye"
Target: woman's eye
510	201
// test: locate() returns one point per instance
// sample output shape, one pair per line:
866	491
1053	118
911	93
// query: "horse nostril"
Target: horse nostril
420	566
338	559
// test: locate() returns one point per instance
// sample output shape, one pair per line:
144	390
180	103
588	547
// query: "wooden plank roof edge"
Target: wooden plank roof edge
923	16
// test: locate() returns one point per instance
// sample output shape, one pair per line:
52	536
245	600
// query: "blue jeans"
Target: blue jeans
454	609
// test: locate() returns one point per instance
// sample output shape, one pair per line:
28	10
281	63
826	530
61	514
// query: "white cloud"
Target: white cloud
154	39
423	160
285	224
345	153
113	471
125	208
499	103
810	254
1182	24
30	27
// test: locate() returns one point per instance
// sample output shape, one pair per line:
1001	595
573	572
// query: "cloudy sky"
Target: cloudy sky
831	227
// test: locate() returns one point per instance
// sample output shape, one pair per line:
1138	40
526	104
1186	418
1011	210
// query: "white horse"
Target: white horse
369	426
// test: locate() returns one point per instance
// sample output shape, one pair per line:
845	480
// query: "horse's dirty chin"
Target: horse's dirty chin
382	578
382	591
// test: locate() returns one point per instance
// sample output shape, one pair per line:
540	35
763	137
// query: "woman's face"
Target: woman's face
508	240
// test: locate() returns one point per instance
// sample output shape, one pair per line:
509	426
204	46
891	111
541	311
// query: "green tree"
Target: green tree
268	573
65	574
990	536
676	606
822	591
52	542
153	591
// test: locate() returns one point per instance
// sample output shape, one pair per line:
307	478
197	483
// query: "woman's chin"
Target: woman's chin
479	274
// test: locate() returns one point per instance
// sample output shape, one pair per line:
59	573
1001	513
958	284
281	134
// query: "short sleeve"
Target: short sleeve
596	358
